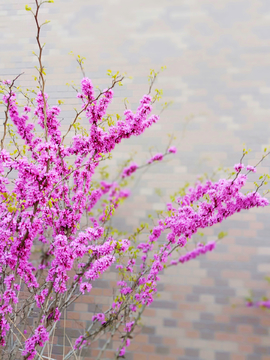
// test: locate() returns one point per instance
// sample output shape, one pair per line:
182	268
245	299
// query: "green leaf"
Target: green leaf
27	8
222	234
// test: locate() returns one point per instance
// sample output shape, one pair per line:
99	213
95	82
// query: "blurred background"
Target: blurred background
217	55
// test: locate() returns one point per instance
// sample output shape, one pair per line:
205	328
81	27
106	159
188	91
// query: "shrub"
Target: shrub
54	190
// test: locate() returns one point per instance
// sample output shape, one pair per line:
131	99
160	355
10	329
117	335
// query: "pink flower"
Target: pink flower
78	342
128	171
52	196
157	157
122	351
119	266
27	109
124	245
264	304
200	249
238	167
133	307
99	317
85	287
129	326
38	339
251	168
172	149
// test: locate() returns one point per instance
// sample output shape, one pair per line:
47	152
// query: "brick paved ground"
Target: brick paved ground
217	55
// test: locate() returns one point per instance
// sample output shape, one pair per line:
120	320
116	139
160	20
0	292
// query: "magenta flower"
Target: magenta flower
251	168
172	149
238	167
128	171
157	157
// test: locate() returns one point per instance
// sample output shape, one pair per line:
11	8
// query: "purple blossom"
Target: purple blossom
99	317
172	149
85	287
251	168
49	210
200	249
157	157
239	167
39	338
128	171
129	326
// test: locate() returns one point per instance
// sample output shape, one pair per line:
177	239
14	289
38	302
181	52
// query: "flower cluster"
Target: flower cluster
239	167
172	149
41	200
264	303
200	249
214	203
39	338
251	168
99	317
157	157
128	171
45	205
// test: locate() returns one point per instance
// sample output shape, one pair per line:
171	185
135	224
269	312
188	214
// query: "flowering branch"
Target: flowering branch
46	260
